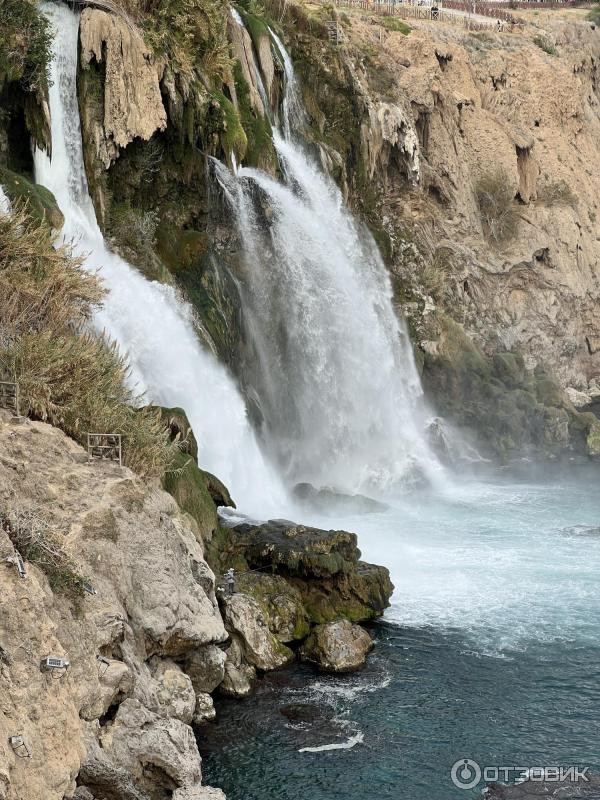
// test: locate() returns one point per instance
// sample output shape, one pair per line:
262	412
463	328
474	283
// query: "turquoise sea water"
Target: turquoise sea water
491	651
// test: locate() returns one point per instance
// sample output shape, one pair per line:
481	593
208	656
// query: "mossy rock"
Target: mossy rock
180	430
41	203
281	604
260	151
593	442
510	369
180	249
187	484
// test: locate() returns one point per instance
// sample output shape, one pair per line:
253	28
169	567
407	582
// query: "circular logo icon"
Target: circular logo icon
465	773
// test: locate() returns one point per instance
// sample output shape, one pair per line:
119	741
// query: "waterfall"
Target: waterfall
340	395
4	203
149	321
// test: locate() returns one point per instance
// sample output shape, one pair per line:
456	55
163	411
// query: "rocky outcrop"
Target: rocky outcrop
571	787
338	646
133	104
241	45
323	567
118	721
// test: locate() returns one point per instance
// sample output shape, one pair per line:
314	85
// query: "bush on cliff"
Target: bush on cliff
67	375
25	44
191	33
496	202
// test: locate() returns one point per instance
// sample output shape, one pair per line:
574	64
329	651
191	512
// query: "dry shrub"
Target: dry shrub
67	375
40	286
558	193
38	543
497	210
436	273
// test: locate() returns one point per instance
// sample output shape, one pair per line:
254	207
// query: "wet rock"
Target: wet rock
205	709
330	501
322	565
239	677
281	604
532	790
337	646
198	793
244	616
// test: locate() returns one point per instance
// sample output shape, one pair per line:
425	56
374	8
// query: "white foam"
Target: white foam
358	738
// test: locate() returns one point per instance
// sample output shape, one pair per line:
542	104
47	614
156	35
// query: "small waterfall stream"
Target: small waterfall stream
149	321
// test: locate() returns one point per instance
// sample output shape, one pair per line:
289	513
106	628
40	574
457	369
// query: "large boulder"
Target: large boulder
261	649
206	668
337	646
161	754
324	567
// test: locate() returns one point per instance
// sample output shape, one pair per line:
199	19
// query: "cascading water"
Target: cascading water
4	202
339	392
149	321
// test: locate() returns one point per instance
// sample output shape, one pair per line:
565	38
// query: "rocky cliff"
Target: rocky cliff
116	582
476	172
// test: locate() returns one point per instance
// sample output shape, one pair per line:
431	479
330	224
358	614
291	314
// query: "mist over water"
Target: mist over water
153	326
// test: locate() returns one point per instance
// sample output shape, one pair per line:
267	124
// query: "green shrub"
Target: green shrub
495	199
545	44
25	44
396	25
191	33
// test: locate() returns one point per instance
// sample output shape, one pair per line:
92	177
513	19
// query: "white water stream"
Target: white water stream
150	322
339	391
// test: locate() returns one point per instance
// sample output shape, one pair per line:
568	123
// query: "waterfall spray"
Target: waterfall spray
149	321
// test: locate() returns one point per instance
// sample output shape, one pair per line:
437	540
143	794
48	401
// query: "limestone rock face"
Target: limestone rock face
206	668
133	104
155	597
198	793
338	646
239	675
469	106
241	45
390	128
261	649
157	752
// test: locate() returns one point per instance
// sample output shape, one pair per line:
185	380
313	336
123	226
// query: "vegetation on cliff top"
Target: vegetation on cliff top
190	33
67	375
25	44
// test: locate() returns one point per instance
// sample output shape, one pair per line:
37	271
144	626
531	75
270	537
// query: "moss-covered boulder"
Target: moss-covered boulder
280	602
323	567
40	202
197	492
